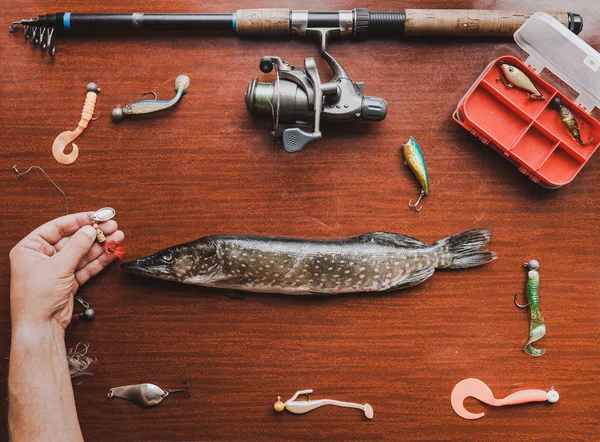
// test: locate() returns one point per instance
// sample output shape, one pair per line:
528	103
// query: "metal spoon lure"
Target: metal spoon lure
182	83
146	395
100	216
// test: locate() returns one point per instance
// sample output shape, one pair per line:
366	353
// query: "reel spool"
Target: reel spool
297	100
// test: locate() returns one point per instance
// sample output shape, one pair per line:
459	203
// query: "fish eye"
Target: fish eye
167	257
510	69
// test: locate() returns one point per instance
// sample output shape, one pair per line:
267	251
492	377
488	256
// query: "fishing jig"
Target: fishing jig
88	314
537	329
182	83
66	137
413	158
297	100
512	76
478	390
20	174
146	395
100	216
570	122
301	407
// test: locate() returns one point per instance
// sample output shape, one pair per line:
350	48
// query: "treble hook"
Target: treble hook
66	137
478	390
185	390
414	206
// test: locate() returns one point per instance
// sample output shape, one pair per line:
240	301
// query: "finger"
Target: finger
39	245
98	250
77	247
107	227
93	268
58	228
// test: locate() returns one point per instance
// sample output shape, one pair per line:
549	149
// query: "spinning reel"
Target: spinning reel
297	100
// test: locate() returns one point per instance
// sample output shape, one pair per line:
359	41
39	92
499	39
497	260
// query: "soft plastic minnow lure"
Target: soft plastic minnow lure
537	329
512	76
300	407
570	122
413	158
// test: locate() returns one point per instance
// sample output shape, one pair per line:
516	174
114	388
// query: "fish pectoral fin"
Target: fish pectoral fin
391	239
414	279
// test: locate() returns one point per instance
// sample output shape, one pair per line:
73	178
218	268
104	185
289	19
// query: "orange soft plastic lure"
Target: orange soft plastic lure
66	137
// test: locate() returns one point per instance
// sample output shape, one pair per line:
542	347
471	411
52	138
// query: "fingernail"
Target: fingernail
90	231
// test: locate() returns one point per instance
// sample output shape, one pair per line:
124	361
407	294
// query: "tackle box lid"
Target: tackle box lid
552	46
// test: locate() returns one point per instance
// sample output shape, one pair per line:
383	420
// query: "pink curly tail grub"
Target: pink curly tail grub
66	137
478	390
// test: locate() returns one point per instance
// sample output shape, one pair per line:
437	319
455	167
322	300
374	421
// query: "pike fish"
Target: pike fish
373	262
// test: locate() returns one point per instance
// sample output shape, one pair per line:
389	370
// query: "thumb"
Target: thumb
77	247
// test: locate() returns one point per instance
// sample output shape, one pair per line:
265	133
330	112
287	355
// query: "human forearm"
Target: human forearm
41	402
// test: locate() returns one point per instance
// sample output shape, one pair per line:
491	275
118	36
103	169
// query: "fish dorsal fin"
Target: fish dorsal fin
391	239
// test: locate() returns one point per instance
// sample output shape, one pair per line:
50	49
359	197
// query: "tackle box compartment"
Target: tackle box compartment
526	131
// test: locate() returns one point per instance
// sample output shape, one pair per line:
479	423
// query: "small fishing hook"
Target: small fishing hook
414	206
516	385
517	304
150	93
20	174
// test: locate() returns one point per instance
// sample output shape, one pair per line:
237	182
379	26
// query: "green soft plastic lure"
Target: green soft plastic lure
537	329
413	158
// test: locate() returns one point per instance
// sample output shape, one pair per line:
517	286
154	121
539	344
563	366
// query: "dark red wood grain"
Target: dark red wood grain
208	168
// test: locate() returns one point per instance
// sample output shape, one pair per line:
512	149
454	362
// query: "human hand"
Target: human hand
51	263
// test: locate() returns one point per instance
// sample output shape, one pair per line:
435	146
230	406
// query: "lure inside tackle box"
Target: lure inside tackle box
530	132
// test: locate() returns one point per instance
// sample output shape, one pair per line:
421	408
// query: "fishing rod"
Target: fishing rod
296	99
283	22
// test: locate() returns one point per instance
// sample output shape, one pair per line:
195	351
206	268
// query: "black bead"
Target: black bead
89	314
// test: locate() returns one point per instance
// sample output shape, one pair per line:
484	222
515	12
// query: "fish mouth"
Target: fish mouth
149	266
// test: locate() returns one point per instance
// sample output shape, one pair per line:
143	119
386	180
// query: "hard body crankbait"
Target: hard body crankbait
477	389
372	262
512	76
537	329
566	116
300	407
146	395
413	158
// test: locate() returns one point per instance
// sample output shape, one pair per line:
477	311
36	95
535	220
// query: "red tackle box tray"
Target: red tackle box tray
528	132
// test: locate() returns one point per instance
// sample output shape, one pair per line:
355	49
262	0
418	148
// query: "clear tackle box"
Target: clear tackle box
529	132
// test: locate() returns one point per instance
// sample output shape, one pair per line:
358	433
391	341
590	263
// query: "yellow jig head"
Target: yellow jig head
413	158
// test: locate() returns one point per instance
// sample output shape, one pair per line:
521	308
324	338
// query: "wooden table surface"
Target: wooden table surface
208	168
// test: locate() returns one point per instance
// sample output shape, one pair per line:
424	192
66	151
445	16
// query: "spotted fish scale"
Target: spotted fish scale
372	262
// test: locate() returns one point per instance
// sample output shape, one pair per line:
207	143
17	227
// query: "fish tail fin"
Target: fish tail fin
466	249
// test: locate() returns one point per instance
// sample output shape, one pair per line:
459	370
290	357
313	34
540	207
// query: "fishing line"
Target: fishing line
20	174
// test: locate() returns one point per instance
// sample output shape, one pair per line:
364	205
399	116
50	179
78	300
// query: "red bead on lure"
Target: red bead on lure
102	215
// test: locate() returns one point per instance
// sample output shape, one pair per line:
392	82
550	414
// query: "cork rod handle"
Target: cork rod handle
262	21
469	22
